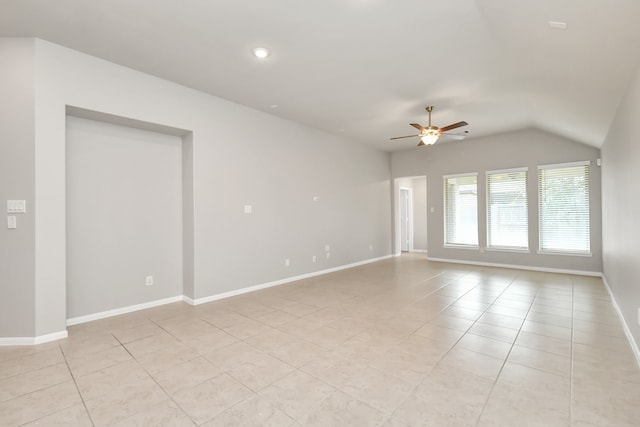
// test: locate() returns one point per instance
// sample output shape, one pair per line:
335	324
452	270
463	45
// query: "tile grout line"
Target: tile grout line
153	379
572	350
226	372
484	406
75	383
459	339
392	413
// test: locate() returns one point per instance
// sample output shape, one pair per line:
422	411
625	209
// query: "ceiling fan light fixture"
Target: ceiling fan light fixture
429	138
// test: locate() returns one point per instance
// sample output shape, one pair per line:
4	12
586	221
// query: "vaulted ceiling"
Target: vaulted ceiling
366	68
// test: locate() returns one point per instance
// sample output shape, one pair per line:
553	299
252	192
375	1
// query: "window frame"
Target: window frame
447	244
570	252
507	248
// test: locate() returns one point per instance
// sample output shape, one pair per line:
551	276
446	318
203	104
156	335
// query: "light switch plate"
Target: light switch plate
16	206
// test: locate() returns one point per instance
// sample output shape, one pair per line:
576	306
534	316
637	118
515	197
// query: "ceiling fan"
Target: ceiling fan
430	134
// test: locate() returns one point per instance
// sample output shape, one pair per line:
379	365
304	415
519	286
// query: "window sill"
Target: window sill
507	249
565	253
467	247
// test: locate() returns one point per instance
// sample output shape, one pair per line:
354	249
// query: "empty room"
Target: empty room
336	213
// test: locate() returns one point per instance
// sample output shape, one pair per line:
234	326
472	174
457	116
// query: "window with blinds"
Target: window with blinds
507	209
461	210
563	199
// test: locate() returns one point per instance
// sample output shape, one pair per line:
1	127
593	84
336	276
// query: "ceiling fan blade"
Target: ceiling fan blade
453	136
417	126
421	143
408	136
453	126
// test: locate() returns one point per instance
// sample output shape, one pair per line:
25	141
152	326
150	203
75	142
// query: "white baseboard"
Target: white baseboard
188	300
625	326
33	340
520	267
236	292
123	310
197	301
420	251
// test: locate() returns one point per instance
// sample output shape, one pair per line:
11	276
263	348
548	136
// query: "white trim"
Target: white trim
507	249
625	326
461	246
566	253
520	267
422	251
565	165
123	310
188	300
498	171
236	292
409	224
459	175
33	340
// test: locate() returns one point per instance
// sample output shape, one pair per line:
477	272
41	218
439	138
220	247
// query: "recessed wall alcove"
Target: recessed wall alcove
129	214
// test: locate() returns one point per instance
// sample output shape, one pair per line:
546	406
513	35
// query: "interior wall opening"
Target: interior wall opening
128	214
410	207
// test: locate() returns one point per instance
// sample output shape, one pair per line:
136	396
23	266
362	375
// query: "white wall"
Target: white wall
277	170
124	216
17	181
420	214
621	207
527	148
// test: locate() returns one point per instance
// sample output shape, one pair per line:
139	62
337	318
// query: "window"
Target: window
507	213
563	198
461	210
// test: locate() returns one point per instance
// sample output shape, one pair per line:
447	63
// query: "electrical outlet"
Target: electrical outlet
327	248
328	255
149	280
314	259
287	263
370	248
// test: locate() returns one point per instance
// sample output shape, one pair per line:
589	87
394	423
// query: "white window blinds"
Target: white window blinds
563	198
507	213
461	210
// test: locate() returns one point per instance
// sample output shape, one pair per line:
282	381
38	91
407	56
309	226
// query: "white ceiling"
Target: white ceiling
367	68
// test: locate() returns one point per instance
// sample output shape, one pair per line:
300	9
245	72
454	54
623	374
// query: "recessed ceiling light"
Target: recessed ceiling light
273	106
558	25
261	52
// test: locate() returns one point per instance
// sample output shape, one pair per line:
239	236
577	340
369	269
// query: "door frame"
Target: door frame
408	219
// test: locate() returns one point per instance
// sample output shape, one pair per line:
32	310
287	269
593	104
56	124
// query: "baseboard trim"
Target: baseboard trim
198	301
249	289
519	267
625	326
123	310
32	340
420	251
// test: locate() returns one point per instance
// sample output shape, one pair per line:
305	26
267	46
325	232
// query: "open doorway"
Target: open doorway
406	220
410	208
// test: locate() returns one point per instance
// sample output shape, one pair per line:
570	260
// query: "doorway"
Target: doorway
406	219
410	208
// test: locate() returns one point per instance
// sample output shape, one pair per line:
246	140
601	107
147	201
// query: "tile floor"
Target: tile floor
402	342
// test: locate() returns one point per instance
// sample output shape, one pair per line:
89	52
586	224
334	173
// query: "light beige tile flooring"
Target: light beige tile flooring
402	342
